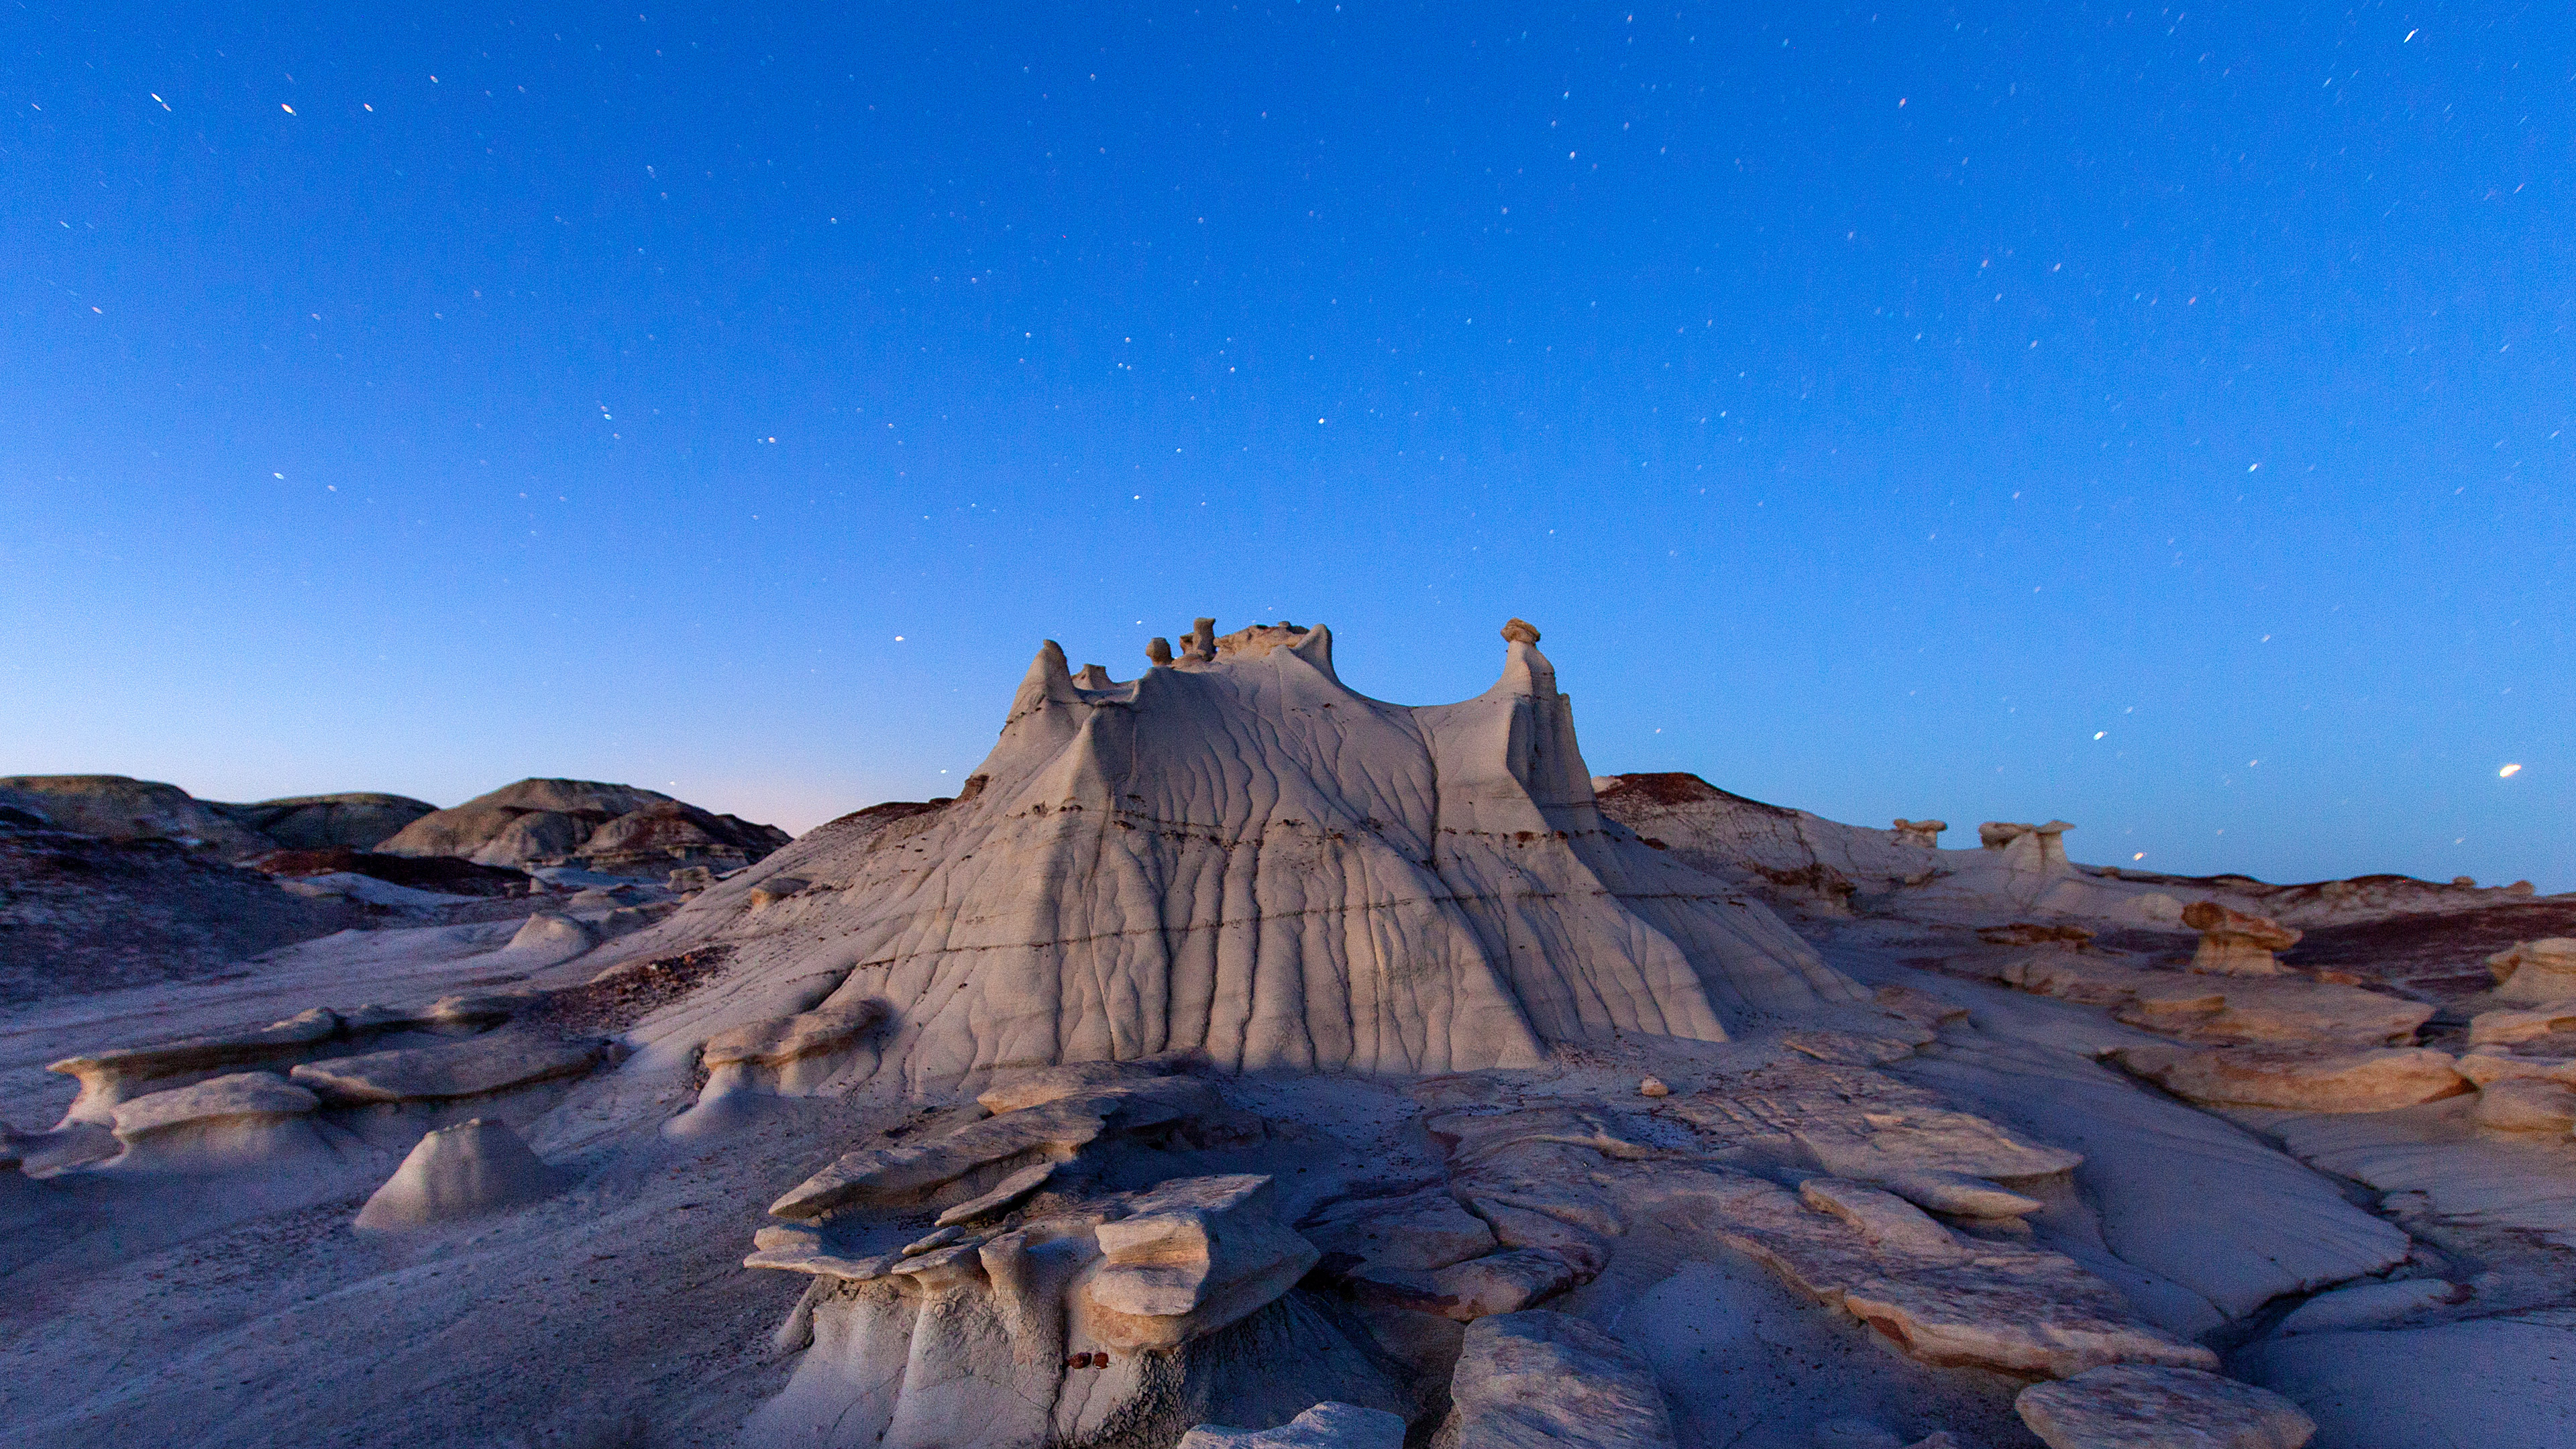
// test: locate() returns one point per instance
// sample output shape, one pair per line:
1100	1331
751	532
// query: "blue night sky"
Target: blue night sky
1980	413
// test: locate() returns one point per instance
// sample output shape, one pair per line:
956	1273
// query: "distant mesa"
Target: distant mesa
618	829
358	820
116	807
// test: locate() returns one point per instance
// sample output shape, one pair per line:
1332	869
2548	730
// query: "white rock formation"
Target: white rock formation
464	1171
1237	854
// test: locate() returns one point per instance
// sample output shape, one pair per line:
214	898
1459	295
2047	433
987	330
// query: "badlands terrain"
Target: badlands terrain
1239	1060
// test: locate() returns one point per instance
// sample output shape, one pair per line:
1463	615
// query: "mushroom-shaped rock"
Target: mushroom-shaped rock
2543	970
228	1121
473	1067
1925	833
464	1171
1199	645
2139	1406
1541	1380
1158	651
2373	1079
1192	1256
111	1077
2034	849
1520	631
1325	1426
2233	943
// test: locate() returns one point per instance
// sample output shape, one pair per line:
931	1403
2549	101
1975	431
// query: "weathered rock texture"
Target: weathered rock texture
1237	854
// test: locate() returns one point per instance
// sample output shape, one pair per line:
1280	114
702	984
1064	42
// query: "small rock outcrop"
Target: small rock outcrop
2233	943
464	1171
2536	971
2135	1406
1325	1426
1923	833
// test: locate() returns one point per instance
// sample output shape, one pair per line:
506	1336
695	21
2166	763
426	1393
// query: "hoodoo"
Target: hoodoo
1237	854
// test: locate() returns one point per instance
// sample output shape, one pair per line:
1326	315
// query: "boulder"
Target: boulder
2375	1079
2138	1406
2233	943
473	1067
2527	1104
1191	1256
1325	1426
1923	833
2543	970
464	1171
1541	1380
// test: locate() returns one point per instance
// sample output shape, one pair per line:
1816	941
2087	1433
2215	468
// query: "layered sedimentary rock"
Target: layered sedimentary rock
117	807
1238	854
356	820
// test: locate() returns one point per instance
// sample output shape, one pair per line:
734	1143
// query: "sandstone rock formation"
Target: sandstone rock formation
2536	971
2233	943
1238	854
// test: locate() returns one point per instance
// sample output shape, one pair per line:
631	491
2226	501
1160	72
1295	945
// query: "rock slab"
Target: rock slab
2133	1406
